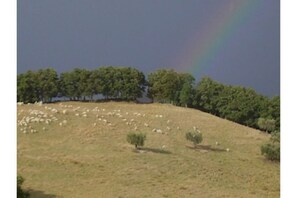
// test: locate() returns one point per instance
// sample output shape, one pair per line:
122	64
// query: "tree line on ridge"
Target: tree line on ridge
235	103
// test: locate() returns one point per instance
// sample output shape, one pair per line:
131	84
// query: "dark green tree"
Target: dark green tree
27	87
163	85
207	95
47	84
186	95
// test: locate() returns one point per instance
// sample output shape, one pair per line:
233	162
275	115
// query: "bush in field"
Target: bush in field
195	137
271	150
136	139
20	192
266	124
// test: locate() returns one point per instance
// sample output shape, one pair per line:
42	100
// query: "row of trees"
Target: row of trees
239	104
235	103
124	83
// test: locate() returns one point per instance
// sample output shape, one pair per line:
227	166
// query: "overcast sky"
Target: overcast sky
231	41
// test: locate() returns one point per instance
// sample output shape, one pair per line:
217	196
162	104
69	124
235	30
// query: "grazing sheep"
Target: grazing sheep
168	121
154	130
217	143
168	128
227	149
60	123
163	147
178	128
145	124
64	121
64	111
159	131
43	128
94	124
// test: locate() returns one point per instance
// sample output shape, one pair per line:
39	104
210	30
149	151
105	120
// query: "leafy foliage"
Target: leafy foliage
170	86
195	137
136	139
266	124
37	86
271	150
20	192
124	83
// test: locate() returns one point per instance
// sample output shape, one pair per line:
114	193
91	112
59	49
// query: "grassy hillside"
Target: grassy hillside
90	157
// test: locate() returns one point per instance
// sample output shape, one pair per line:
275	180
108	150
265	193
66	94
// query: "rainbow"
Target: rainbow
204	46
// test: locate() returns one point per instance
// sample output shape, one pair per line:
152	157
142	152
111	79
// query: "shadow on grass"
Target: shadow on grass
39	194
153	150
206	148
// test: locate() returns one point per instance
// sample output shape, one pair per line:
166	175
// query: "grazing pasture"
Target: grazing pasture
75	149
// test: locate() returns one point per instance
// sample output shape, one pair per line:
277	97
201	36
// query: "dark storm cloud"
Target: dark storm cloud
147	35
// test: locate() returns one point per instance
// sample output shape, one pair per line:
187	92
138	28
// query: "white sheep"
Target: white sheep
145	124
159	131
227	149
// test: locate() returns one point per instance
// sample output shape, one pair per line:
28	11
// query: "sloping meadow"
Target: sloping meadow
75	149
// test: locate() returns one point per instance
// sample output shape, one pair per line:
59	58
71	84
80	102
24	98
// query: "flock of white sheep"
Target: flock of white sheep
34	118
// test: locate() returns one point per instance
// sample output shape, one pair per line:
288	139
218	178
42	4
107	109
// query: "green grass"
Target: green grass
83	160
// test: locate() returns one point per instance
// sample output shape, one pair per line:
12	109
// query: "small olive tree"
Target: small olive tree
271	150
195	137
266	124
136	139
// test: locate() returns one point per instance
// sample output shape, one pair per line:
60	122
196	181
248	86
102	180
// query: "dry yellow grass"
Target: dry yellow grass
81	159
